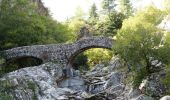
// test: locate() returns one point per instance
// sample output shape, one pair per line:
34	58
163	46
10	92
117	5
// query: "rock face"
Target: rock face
49	82
34	82
152	85
41	8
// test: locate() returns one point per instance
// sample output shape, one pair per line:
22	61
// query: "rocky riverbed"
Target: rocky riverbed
49	82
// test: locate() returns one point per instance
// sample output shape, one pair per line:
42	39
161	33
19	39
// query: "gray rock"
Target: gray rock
153	86
115	63
36	82
98	67
115	79
75	83
154	62
143	97
165	98
115	91
133	93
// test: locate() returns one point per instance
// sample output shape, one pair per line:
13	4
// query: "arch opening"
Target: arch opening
85	58
21	62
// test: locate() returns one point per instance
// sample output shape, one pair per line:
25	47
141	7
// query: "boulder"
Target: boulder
38	82
153	86
165	98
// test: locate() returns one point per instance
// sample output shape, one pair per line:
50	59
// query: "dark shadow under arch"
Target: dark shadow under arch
21	62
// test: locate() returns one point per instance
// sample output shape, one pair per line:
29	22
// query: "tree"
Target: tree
80	62
125	7
96	57
139	39
93	14
76	22
108	5
79	13
110	25
21	24
166	4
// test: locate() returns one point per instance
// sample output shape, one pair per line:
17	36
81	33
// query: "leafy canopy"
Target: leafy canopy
139	39
21	24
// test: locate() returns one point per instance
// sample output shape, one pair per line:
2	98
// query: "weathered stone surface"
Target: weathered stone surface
143	97
48	82
115	79
153	86
64	53
115	91
74	83
133	93
35	82
156	65
165	98
114	64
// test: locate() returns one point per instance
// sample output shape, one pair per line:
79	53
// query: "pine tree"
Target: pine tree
125	7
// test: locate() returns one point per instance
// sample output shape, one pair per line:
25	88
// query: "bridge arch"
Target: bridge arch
73	56
25	61
64	53
89	43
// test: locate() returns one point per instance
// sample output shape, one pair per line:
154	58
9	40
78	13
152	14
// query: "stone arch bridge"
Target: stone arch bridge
64	53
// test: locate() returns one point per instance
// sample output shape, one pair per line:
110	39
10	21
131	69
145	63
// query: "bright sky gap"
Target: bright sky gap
61	10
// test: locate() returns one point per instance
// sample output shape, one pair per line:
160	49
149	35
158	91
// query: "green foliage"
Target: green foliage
125	7
93	15
108	5
166	4
4	96
19	63
21	24
2	61
164	54
91	57
74	25
164	50
166	80
80	62
138	76
110	25
139	39
6	87
32	86
98	56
